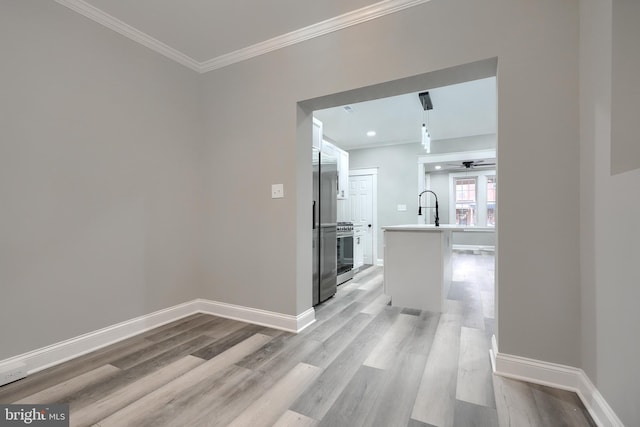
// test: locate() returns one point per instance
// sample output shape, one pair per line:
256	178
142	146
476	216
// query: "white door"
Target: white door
361	204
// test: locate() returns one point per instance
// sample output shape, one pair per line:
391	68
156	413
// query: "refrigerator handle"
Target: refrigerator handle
314	215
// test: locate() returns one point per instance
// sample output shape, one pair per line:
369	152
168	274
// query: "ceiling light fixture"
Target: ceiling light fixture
438	167
426	138
371	133
425	100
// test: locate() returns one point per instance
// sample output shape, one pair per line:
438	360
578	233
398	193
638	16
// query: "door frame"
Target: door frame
374	202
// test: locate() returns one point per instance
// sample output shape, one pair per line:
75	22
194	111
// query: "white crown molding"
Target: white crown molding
367	13
557	376
54	354
340	22
130	32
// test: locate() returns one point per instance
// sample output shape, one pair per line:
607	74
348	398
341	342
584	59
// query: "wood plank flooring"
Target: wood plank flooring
363	363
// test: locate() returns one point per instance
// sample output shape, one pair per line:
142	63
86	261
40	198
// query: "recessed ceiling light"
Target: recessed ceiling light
371	133
438	167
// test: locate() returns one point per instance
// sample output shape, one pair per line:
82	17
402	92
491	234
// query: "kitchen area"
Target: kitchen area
432	159
337	242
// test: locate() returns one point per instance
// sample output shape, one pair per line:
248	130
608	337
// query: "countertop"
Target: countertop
442	227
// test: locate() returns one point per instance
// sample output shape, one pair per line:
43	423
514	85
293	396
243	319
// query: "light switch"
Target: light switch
402	208
277	191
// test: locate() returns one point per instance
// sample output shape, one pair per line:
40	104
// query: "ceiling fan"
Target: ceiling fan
472	164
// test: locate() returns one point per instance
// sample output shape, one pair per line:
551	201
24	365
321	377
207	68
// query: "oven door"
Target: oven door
345	256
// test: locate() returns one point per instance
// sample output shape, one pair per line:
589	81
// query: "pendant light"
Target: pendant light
426	138
425	100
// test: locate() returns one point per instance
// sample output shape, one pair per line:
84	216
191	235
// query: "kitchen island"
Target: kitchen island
417	263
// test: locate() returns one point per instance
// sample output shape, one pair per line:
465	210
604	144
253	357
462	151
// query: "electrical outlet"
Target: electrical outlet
11	373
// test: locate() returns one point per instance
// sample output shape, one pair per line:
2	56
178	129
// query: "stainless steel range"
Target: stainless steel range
345	251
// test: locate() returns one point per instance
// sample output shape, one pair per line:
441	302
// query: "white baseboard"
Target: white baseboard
596	404
62	351
492	353
285	322
557	376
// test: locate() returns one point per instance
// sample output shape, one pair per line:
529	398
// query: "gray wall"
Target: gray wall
98	178
99	161
609	206
397	182
625	149
256	137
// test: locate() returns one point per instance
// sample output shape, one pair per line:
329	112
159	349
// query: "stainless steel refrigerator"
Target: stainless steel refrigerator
325	212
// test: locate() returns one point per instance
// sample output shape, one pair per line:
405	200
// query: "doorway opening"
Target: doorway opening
412	85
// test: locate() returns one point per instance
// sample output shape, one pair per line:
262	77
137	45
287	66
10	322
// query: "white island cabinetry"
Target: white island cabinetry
417	264
417	267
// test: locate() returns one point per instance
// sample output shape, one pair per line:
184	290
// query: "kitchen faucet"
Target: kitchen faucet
420	205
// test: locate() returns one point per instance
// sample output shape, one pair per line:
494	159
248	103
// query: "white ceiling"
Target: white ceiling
460	110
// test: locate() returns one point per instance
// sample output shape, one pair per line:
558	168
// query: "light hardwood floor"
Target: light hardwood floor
363	363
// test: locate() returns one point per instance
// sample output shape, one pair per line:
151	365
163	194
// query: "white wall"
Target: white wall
99	177
609	207
256	137
467	143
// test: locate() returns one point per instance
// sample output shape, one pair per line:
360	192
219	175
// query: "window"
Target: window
472	198
465	190
491	201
